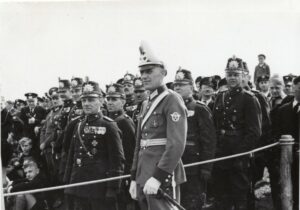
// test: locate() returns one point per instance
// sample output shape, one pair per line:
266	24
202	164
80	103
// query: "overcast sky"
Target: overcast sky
40	42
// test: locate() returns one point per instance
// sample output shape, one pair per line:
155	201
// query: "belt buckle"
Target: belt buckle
146	145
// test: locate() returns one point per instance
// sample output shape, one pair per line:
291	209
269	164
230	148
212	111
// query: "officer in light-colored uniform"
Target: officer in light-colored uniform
161	137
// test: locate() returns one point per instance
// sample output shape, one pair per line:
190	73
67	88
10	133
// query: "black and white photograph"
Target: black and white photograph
149	105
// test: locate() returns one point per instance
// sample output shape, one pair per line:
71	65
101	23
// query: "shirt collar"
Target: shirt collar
115	114
92	117
157	92
295	102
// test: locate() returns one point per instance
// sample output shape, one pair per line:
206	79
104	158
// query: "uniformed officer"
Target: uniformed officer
76	88
130	104
115	97
17	123
208	86
161	137
288	83
200	145
32	116
96	152
140	96
237	120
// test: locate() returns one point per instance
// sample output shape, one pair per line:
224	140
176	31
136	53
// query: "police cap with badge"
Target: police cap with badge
128	79
138	85
183	77
76	83
210	82
91	89
19	102
288	78
234	65
263	78
64	85
115	91
147	59
53	93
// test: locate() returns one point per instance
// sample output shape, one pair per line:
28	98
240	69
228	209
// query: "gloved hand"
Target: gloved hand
151	186
133	190
111	195
205	175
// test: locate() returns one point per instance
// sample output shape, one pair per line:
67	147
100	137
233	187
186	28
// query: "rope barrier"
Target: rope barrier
128	176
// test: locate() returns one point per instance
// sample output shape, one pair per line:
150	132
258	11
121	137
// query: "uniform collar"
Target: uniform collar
207	101
93	117
295	102
129	98
188	100
68	102
235	90
115	114
157	92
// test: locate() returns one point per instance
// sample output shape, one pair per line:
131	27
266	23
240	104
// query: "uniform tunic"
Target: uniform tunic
164	117
238	122
130	105
96	152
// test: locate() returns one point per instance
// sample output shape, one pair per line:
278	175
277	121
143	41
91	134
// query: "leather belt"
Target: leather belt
230	132
153	142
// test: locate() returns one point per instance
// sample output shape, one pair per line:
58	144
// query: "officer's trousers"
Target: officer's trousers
193	192
232	185
85	203
152	202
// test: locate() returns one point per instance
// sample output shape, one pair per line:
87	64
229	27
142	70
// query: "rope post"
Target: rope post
286	159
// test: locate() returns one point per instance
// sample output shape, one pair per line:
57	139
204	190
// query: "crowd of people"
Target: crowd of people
141	126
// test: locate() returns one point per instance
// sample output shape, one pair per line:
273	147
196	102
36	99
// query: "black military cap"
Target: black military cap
170	85
128	78
198	79
76	82
40	99
183	76
209	81
64	84
138	84
120	81
115	91
234	65
53	91
245	70
261	55
217	78
222	82
18	102
31	96
91	89
263	78
288	78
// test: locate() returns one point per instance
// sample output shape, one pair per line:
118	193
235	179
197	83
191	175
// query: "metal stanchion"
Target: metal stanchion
286	160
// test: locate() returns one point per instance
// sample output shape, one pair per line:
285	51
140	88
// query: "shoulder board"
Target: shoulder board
108	119
222	91
126	116
75	118
254	91
249	93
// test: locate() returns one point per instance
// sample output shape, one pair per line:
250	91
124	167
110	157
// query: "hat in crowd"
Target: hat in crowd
198	79
40	99
115	91
147	58
64	84
183	76
261	55
234	65
18	102
91	89
170	85
245	70
263	78
53	91
128	79
222	82
76	82
288	78
31	96
217	78
209	81
138	84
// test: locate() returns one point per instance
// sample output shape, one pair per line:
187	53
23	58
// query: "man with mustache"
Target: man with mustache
237	120
161	137
96	152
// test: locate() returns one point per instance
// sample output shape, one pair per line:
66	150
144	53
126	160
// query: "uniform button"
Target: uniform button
145	127
146	134
80	147
82	134
226	107
169	176
167	180
94	136
86	123
74	136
